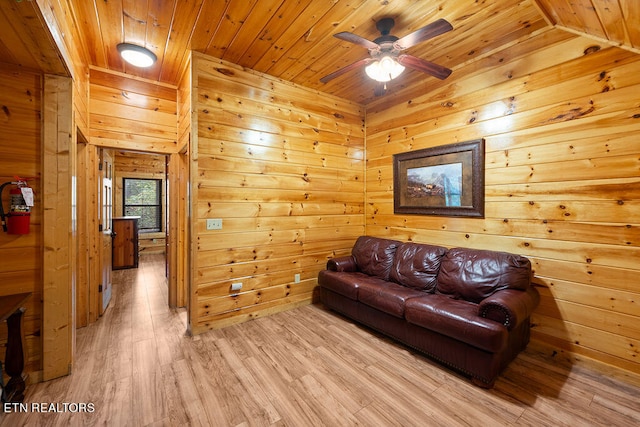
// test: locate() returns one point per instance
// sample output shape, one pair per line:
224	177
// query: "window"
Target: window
142	197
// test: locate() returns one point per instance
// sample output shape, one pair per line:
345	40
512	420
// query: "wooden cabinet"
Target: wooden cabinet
125	242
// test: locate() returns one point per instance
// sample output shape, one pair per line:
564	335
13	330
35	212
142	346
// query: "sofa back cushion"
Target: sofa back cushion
416	266
473	275
374	256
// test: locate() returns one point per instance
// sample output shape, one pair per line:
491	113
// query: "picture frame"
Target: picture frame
447	180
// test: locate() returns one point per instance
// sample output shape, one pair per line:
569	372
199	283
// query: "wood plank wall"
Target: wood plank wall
561	120
282	166
133	114
127	164
21	255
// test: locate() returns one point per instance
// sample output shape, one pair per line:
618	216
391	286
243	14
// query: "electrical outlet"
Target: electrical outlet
296	278
214	224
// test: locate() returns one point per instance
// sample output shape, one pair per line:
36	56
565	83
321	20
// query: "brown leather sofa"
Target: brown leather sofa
466	308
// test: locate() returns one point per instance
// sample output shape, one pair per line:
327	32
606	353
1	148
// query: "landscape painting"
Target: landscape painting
442	184
446	180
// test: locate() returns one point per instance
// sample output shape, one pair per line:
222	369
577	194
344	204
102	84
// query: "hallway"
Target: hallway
118	357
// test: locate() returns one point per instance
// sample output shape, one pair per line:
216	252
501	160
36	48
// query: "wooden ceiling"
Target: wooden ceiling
615	21
293	39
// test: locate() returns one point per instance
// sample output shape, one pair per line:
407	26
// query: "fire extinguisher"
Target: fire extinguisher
17	220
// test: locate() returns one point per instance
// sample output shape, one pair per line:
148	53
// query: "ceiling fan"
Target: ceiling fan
386	61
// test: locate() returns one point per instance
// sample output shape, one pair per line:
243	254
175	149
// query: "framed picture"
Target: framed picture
447	180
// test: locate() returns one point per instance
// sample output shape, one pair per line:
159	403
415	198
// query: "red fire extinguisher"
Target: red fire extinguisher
17	220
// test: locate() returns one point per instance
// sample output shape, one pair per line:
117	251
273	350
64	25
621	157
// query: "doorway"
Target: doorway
167	242
140	191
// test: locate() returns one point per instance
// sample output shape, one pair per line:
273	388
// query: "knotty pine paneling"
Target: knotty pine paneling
133	114
283	167
560	117
613	22
21	255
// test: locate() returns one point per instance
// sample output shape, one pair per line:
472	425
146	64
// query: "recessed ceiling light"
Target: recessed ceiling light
136	55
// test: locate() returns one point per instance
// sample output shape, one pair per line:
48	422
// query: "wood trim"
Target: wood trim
59	163
177	253
597	39
548	17
83	231
160	87
95	261
179	203
173	227
192	173
56	33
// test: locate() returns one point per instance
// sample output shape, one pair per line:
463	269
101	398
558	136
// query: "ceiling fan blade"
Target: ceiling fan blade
425	66
346	69
429	31
354	38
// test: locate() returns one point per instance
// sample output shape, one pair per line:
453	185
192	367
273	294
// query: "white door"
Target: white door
107	216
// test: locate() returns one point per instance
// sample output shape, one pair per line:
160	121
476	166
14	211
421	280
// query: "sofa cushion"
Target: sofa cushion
345	284
386	296
374	256
416	266
457	319
473	275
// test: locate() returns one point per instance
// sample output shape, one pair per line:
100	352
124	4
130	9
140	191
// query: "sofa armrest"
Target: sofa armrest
510	306
343	264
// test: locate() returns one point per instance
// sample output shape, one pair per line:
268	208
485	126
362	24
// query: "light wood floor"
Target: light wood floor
304	367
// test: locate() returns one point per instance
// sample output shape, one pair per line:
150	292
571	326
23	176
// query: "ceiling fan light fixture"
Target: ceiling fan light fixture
385	69
137	56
